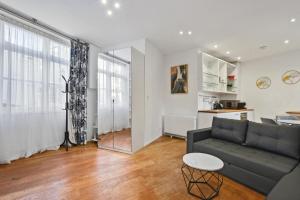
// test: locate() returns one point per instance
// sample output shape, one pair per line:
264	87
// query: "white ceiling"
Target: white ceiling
240	26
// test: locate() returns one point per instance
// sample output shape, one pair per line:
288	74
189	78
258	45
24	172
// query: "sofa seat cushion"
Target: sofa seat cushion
284	140
261	162
287	187
229	129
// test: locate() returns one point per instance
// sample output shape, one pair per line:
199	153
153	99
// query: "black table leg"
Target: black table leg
195	178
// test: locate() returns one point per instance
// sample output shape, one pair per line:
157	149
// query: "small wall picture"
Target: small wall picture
179	79
263	82
291	77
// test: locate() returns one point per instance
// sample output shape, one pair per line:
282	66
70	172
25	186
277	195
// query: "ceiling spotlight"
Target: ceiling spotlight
216	46
286	41
117	5
227	52
263	47
104	2
190	32
293	20
239	58
109	12
180	32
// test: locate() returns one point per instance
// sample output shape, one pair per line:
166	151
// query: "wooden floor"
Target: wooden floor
91	173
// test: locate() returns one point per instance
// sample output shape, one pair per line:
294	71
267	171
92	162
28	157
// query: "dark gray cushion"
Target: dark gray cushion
260	162
255	181
287	187
229	129
284	140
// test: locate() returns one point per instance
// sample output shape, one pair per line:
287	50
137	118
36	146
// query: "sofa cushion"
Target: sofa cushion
229	129
284	140
267	164
287	187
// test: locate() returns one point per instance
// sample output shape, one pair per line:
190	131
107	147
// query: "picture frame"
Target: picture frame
179	79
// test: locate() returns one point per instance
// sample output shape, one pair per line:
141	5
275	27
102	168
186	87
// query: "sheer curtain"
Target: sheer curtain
113	95
31	102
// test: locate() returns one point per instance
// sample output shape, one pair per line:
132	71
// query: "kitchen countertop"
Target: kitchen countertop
225	110
297	113
296	122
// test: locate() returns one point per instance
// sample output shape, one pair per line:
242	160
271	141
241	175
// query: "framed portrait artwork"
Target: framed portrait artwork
179	79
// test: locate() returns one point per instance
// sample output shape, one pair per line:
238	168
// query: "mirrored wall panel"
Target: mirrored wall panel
114	100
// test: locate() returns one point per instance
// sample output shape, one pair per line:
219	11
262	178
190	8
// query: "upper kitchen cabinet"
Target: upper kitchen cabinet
232	78
217	76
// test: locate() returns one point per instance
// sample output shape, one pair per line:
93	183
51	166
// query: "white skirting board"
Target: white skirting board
179	125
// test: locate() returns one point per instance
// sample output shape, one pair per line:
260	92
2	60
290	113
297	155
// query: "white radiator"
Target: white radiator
179	125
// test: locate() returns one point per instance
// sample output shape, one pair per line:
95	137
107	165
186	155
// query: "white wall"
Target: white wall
181	104
91	111
154	79
92	89
93	66
280	97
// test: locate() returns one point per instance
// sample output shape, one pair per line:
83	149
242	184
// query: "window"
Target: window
32	64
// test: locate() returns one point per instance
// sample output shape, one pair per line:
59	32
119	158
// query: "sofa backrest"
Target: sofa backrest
284	140
229	129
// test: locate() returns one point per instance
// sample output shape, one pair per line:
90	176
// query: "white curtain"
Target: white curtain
31	102
113	95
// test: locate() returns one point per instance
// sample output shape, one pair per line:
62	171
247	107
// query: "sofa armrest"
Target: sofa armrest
196	135
287	187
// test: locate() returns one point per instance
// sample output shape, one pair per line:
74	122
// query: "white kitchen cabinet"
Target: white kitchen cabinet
217	76
251	116
231	115
205	118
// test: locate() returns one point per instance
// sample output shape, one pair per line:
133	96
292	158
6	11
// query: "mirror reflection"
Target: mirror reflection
114	100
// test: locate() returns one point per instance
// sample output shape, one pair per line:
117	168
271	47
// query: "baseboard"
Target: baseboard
152	140
174	135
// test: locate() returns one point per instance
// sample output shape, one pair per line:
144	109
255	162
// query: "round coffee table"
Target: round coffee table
200	174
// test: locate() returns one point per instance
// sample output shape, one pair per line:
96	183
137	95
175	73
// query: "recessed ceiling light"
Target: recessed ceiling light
117	5
239	58
286	41
190	32
293	20
109	12
104	2
227	52
263	47
216	46
180	32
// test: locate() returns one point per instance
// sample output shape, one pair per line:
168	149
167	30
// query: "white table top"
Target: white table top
203	161
289	121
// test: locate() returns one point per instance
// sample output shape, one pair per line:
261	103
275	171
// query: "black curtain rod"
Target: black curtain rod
35	22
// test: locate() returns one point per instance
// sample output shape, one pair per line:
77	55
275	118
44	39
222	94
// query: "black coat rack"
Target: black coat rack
67	142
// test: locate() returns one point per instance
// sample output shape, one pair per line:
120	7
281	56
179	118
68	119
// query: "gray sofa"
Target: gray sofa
263	157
